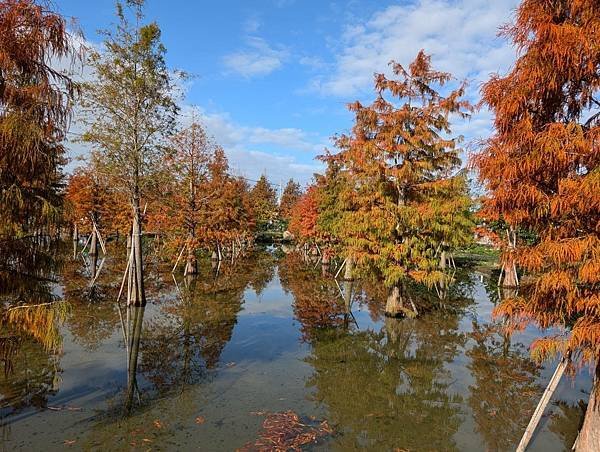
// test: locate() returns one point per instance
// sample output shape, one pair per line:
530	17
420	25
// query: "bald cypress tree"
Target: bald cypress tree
541	167
401	167
35	108
130	111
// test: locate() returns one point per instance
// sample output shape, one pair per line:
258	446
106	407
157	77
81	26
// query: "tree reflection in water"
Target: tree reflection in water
384	388
383	384
179	345
30	317
388	389
505	391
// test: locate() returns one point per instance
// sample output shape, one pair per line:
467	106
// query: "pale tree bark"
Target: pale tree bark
589	435
75	239
129	242
348	272
394	306
137	293
191	266
133	339
94	243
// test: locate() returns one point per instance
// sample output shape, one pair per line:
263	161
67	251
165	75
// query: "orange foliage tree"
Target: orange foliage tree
35	108
303	222
226	215
401	169
189	166
541	167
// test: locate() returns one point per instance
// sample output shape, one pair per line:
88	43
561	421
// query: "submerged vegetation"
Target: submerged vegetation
390	236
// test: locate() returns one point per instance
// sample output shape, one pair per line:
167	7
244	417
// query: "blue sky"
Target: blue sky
273	77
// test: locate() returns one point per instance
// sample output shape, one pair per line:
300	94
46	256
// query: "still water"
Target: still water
265	352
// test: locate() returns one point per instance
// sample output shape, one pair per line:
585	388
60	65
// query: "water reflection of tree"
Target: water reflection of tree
188	336
318	303
94	316
505	391
263	271
390	389
30	349
172	350
30	316
566	422
31	374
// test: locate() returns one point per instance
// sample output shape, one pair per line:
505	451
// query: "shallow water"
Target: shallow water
202	366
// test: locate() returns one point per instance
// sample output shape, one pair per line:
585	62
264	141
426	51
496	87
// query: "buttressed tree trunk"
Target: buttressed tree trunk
191	266
349	269
589	436
510	276
394	306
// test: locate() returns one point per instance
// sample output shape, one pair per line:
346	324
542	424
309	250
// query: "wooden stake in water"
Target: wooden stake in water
537	414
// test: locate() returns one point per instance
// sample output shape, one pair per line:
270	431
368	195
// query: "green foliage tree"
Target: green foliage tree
291	194
264	200
130	111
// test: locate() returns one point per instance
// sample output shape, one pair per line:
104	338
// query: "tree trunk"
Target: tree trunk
349	269
138	295
394	306
589	435
135	334
94	244
94	265
443	260
214	256
510	276
129	242
75	239
191	266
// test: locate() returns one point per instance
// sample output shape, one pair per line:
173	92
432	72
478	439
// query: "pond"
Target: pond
267	351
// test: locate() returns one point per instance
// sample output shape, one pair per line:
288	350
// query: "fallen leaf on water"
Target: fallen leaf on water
70	442
157	423
200	420
284	431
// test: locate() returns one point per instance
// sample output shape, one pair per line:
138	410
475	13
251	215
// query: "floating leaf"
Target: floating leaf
284	431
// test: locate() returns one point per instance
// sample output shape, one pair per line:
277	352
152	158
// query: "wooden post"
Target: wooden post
75	239
539	410
178	258
340	269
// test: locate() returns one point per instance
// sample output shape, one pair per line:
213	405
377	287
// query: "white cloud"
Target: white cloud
252	24
312	62
242	144
257	59
460	35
